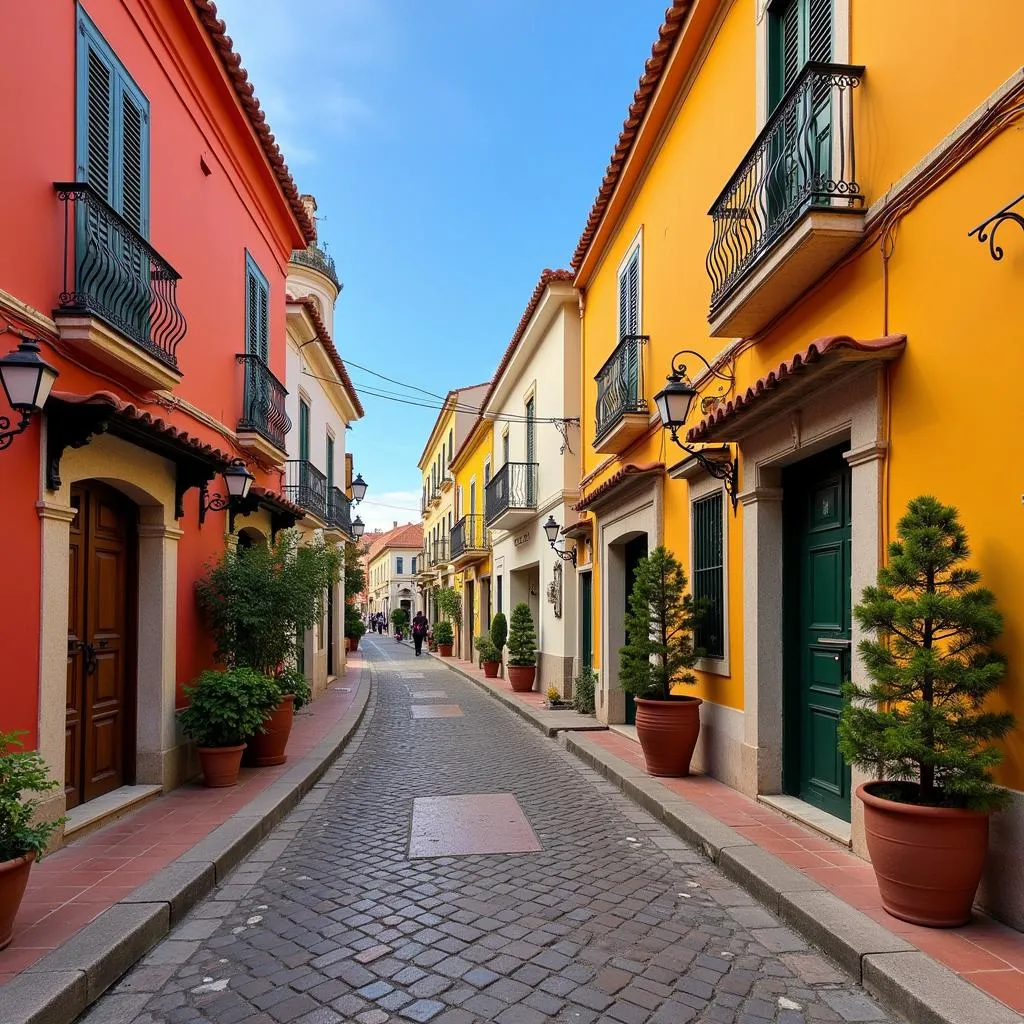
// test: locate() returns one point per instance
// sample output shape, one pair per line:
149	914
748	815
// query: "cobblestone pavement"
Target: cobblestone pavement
615	920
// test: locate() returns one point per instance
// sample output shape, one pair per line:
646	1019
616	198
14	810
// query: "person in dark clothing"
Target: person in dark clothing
419	631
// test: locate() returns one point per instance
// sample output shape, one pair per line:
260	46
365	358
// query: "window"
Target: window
500	580
799	31
472	497
112	129
451	444
629	295
303	429
487	471
504	448
413	569
708	574
330	463
257	311
399	565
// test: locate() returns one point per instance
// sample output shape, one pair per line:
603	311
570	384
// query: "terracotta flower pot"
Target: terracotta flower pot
220	765
13	879
491	669
521	677
353	643
668	731
445	650
267	748
927	860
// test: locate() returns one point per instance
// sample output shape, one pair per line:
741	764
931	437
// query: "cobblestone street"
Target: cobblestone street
613	919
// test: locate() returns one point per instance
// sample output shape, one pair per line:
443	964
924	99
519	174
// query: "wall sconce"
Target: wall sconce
674	402
358	488
358	527
551	528
237	481
27	380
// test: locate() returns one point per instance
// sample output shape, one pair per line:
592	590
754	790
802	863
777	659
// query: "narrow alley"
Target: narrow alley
541	894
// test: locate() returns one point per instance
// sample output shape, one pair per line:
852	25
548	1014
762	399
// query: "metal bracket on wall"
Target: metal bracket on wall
986	230
186	477
71	427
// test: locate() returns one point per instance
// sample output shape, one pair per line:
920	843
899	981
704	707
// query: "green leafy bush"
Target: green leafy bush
23	772
226	708
449	603
485	648
522	638
921	724
443	633
400	619
354	625
583	689
499	631
291	680
660	621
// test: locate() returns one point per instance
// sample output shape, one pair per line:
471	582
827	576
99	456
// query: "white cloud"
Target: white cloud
380	511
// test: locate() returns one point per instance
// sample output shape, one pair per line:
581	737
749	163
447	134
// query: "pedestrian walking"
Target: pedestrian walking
419	631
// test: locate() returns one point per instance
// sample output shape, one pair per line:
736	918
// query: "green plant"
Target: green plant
22	772
226	708
583	689
522	637
659	652
449	604
443	633
354	625
400	618
485	648
499	631
291	680
553	694
921	723
258	601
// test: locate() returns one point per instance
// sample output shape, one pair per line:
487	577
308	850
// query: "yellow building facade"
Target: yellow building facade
791	206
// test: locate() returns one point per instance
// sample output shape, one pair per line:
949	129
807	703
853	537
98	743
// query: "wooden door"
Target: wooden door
100	714
817	605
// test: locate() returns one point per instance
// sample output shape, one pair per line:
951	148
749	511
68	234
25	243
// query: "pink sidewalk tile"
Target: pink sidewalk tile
76	884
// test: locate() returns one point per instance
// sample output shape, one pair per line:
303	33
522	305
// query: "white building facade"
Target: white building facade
392	571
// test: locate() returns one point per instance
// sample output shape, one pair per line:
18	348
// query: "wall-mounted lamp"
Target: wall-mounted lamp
358	488
358	527
674	402
27	380
551	528
237	481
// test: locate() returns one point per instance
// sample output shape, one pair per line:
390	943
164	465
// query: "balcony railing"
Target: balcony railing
468	534
263	401
317	259
306	486
514	486
620	384
804	158
113	273
436	552
339	510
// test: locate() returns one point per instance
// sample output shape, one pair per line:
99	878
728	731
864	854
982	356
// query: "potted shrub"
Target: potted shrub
354	627
400	620
499	635
225	709
583	689
490	657
23	840
267	746
921	724
522	649
444	637
658	655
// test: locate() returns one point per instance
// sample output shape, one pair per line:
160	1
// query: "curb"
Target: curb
893	970
63	984
550	723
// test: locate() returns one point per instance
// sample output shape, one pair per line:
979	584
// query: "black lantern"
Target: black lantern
358	527
237	481
551	528
358	488
27	379
675	402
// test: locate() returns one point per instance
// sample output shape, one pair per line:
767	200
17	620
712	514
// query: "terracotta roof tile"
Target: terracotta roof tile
206	11
668	35
616	480
408	536
276	499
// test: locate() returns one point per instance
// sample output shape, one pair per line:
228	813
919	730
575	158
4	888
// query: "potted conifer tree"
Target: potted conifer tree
658	655
444	636
499	636
522	649
923	724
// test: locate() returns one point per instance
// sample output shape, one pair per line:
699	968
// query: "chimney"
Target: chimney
395	521
309	203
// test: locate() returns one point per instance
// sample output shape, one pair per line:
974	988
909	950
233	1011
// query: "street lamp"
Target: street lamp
358	527
358	488
551	528
27	380
674	403
237	481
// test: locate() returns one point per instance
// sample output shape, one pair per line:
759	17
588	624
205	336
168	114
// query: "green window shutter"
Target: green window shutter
330	462
800	31
133	164
257	311
303	430
531	432
629	296
708	574
819	31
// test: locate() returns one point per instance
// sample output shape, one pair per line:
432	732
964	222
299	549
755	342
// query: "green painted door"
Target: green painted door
586	620
635	550
816	607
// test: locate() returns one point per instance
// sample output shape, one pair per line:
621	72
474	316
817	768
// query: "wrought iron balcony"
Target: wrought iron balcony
306	486
622	411
437	551
803	160
339	510
511	495
263	410
469	539
315	258
112	273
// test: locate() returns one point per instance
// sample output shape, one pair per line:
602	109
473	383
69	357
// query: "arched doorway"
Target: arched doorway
102	606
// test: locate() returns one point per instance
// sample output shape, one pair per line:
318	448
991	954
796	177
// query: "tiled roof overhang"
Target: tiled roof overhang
623	479
580	529
206	11
823	362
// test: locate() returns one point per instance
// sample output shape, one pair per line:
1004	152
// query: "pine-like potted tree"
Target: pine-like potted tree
499	636
658	656
522	649
444	638
922	724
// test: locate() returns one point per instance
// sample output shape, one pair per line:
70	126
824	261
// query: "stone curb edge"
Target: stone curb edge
907	981
524	711
64	983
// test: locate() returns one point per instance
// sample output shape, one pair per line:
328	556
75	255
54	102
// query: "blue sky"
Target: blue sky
455	148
